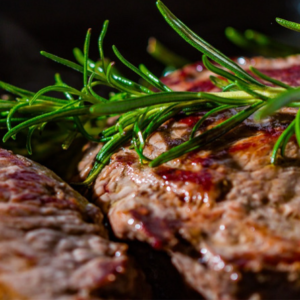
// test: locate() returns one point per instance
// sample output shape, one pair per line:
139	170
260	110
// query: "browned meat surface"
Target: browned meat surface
229	219
52	241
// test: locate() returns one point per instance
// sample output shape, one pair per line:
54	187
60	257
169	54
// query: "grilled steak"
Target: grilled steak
52	241
229	219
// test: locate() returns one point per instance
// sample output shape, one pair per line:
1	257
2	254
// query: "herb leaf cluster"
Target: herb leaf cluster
142	108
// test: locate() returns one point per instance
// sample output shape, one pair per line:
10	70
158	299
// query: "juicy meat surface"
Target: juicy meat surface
52	241
229	219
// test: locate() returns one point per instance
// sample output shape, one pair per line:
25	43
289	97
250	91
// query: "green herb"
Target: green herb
142	108
288	24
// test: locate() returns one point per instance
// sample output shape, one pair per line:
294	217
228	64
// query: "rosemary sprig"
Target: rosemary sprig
141	109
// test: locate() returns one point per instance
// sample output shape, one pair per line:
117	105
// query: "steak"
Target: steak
52	241
228	218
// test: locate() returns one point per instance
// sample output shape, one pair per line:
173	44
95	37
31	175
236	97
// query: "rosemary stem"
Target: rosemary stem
46	118
268	92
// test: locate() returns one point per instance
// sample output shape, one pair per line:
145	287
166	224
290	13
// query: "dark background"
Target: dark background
57	26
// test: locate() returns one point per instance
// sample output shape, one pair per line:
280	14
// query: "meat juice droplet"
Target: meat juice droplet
130	221
199	68
241	61
234	276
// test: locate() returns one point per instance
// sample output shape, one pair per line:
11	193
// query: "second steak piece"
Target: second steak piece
52	241
229	219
